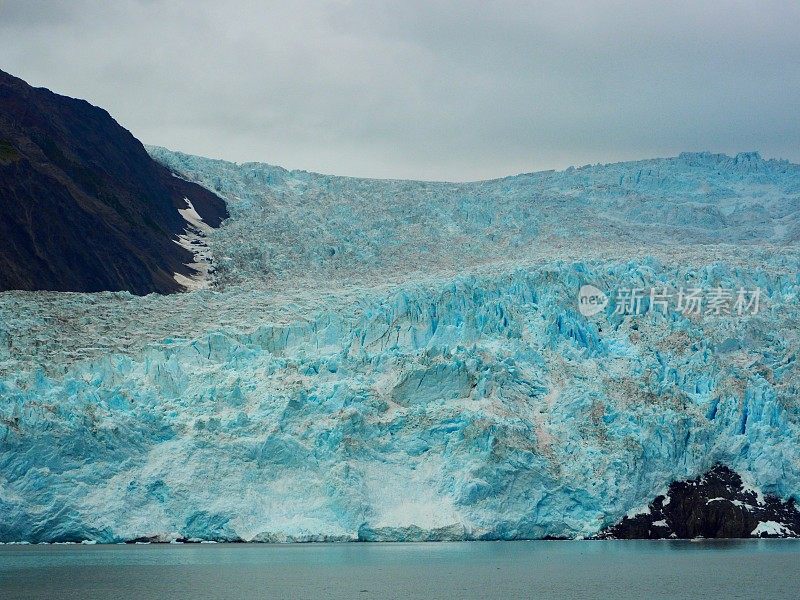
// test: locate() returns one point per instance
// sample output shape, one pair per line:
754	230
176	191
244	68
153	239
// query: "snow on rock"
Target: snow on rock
715	505
194	240
772	529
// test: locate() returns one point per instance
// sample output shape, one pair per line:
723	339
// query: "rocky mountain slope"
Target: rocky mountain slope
82	206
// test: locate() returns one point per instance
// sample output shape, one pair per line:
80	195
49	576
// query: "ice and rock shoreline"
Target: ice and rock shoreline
497	410
300	399
714	506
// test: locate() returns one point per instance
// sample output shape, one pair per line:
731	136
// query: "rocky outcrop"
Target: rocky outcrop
716	505
83	207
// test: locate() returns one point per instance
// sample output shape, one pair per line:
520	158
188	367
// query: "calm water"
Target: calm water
624	569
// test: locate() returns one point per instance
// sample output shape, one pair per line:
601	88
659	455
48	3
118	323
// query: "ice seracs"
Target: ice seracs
404	360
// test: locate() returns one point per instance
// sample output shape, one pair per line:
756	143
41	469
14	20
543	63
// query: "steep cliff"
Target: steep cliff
82	206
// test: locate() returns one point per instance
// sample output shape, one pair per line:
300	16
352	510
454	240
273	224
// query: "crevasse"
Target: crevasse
311	402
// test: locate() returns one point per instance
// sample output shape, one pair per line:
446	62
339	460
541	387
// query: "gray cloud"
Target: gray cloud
437	90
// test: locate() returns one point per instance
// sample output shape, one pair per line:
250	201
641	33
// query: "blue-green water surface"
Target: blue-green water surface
547	569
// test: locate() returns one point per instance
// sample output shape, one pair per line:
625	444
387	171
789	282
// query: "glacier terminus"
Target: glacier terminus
394	360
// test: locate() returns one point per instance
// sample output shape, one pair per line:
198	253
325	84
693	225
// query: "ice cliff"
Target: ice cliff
406	360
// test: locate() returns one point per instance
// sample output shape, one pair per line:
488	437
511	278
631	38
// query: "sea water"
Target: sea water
546	569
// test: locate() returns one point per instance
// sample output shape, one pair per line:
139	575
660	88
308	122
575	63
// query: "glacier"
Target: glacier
397	360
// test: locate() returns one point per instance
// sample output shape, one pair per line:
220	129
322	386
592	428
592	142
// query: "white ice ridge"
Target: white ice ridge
194	240
406	360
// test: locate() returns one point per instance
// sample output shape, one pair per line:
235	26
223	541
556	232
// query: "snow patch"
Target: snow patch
639	510
194	240
771	528
661	523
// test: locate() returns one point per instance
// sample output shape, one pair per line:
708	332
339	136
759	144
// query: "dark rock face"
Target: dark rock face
715	505
83	207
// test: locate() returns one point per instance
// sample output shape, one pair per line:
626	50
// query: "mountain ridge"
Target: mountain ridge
83	206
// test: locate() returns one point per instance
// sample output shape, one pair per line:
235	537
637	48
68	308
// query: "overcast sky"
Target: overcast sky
425	90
